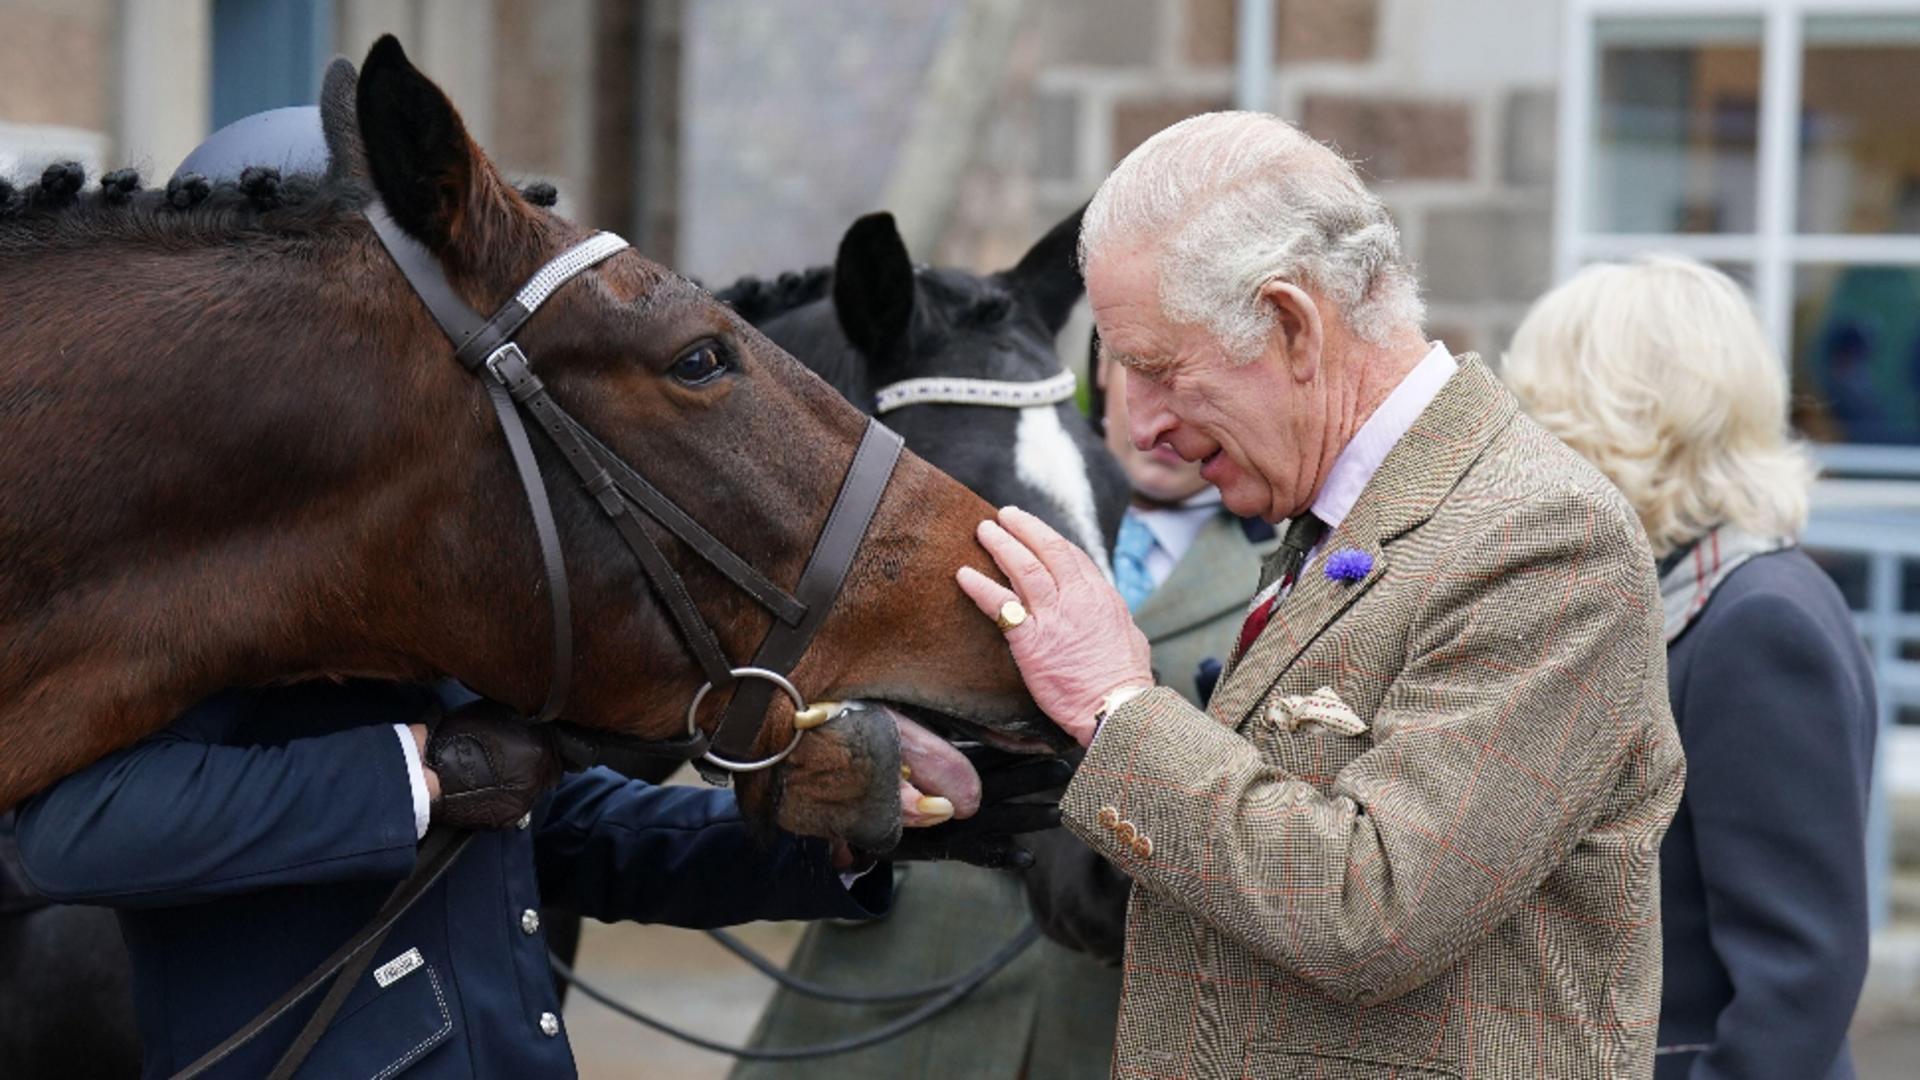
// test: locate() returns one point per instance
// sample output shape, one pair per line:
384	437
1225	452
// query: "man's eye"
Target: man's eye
699	365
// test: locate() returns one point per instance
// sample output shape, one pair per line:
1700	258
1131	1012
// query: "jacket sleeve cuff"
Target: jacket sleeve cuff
1119	802
417	778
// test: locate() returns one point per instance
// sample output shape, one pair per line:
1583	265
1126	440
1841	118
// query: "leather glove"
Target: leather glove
987	838
493	766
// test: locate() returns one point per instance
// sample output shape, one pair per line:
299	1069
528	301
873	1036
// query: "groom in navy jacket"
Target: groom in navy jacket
262	829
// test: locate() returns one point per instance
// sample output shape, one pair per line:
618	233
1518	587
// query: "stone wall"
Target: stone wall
1447	106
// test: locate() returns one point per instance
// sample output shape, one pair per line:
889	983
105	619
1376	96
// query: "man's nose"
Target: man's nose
1148	417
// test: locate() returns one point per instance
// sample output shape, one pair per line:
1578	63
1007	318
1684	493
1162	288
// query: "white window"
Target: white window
1779	140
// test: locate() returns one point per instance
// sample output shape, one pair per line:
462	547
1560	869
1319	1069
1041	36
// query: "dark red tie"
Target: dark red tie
1304	532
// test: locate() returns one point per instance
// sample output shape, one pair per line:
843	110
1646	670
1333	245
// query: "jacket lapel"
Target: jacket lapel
1196	592
1417	474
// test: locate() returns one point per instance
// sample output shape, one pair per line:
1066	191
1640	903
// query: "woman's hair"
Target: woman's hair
1234	200
1658	372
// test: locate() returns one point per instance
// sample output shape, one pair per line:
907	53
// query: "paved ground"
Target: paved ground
683	977
678	975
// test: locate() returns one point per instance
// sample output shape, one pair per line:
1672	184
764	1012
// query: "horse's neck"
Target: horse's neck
194	502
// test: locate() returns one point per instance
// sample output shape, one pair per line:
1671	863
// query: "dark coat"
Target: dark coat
1763	874
259	832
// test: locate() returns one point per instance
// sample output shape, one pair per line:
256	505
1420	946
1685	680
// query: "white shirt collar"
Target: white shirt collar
1174	528
1361	458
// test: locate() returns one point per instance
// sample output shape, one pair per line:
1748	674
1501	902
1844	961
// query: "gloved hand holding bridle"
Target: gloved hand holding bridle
492	765
988	838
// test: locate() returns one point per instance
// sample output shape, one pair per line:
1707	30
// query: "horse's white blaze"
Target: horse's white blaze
1045	458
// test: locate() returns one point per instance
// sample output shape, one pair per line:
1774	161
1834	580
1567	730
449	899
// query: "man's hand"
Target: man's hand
486	767
1078	643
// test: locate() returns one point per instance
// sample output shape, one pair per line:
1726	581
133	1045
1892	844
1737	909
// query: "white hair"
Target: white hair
1234	200
1658	372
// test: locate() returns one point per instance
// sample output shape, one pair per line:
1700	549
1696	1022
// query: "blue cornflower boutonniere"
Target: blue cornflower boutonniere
1349	565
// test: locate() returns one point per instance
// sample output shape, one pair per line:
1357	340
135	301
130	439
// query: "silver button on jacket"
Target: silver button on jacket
530	921
549	1024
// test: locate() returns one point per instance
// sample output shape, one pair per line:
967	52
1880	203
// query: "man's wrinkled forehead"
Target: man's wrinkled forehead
1123	286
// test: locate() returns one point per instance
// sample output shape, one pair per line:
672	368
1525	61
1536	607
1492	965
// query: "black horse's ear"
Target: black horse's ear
1048	277
418	155
340	123
873	285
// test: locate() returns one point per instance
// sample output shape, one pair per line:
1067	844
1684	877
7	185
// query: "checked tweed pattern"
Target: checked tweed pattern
1467	888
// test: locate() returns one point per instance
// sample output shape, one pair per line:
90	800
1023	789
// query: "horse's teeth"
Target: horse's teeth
906	772
936	807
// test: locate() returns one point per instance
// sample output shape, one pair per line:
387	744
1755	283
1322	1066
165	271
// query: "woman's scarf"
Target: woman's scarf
1689	574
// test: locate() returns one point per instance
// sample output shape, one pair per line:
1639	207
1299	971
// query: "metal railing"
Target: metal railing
1885	538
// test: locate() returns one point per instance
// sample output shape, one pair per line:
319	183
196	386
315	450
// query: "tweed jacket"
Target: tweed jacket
1051	1012
1446	866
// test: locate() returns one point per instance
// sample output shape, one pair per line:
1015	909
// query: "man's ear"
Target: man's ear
432	178
873	286
1297	331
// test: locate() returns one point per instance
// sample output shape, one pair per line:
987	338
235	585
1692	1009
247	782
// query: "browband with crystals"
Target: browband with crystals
957	391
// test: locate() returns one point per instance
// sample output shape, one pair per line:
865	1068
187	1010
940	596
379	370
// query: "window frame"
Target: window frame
1775	249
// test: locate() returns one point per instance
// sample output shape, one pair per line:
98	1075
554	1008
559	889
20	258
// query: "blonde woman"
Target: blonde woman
1658	372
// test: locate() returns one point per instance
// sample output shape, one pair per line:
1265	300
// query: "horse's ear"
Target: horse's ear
422	164
1047	277
339	122
873	285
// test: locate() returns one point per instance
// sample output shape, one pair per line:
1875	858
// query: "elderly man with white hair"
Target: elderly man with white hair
1415	832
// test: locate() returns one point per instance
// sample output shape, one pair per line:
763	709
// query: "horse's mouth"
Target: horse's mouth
1036	736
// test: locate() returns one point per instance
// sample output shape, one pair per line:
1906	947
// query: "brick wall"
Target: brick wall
1446	105
56	63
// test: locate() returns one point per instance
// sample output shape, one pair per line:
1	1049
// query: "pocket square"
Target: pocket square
1322	707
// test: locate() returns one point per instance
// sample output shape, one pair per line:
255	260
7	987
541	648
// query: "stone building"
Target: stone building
577	92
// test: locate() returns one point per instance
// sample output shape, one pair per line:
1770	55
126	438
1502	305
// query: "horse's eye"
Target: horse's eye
699	365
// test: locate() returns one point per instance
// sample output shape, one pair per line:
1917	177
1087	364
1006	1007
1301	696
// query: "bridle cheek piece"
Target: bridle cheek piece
485	347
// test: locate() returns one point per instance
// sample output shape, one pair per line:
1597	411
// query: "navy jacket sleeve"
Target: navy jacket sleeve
614	848
182	816
1777	788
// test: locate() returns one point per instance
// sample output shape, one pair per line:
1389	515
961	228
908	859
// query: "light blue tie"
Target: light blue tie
1130	561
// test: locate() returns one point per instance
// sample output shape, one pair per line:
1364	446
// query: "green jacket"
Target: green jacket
1050	1014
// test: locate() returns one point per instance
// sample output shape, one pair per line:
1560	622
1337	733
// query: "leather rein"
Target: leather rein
485	348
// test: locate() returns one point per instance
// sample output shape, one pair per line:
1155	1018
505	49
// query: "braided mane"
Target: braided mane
757	299
59	210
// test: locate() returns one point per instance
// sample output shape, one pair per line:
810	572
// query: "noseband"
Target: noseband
953	390
485	348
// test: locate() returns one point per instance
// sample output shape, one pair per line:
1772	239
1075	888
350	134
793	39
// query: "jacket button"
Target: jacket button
1127	831
529	921
549	1025
1142	848
1108	817
526	820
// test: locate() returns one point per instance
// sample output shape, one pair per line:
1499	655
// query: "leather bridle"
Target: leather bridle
485	348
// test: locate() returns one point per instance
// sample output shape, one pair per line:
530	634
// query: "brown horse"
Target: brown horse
237	451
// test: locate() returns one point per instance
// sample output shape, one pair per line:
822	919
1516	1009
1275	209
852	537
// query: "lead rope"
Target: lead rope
437	853
950	993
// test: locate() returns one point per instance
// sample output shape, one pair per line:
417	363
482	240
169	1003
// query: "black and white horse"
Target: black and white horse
962	365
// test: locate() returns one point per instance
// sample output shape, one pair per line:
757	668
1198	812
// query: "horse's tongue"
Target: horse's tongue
935	768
